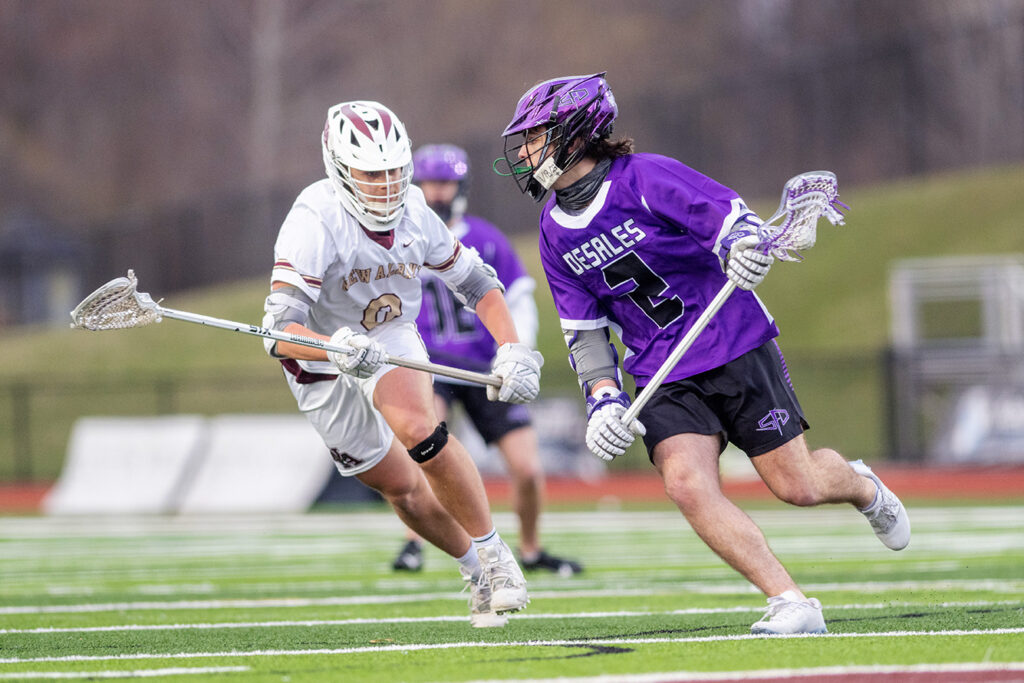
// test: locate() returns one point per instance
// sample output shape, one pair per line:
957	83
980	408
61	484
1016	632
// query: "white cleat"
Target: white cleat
502	573
787	614
480	613
886	514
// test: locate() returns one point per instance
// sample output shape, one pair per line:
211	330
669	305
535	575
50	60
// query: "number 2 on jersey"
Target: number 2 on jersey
649	285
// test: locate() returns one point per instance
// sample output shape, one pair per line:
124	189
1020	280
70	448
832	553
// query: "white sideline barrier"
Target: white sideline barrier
118	465
258	463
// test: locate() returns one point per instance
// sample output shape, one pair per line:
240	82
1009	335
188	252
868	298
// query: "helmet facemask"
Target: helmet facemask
573	113
368	159
523	171
562	149
377	198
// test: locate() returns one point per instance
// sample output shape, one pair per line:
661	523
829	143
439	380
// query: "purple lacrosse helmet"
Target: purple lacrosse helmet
569	108
444	163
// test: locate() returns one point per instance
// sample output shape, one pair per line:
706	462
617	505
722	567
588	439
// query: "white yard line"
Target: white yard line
730	583
450	618
371	524
140	673
227	604
1010	585
412	647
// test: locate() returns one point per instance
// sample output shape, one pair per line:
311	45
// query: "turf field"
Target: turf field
312	598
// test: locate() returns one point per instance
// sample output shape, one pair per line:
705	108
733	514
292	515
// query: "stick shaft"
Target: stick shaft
726	291
677	353
313	342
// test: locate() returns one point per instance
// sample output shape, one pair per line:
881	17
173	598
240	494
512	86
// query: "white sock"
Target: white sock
878	497
470	562
792	596
487	540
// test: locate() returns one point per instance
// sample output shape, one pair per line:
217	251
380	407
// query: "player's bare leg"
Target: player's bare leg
410	557
688	464
441	409
519	450
405	488
801	477
405	398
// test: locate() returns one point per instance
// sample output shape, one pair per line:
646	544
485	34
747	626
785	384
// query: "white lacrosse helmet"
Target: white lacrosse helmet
367	136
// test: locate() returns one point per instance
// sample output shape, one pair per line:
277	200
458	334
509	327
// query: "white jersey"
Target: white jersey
353	279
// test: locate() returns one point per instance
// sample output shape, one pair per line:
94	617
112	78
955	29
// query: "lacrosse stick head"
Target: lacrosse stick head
116	305
805	198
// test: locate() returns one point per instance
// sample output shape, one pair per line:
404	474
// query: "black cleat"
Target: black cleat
410	557
558	565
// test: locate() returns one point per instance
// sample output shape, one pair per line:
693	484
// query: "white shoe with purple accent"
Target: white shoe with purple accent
886	514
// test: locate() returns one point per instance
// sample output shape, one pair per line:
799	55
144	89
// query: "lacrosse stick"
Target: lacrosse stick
118	305
805	198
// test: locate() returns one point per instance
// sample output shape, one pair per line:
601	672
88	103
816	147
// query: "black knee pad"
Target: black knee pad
430	446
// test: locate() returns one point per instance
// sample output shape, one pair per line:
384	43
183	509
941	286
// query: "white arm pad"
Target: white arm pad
284	306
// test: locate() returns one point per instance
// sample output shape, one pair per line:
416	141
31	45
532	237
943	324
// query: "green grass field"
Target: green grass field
312	598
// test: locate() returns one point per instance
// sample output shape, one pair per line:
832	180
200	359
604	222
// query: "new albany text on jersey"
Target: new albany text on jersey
384	270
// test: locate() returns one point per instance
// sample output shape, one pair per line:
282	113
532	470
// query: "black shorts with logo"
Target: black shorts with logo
749	401
493	419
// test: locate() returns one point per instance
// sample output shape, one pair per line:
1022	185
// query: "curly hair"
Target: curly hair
606	148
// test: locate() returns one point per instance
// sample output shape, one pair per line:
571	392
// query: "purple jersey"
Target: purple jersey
642	259
453	335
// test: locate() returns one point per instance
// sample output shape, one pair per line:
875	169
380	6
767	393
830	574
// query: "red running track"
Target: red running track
993	483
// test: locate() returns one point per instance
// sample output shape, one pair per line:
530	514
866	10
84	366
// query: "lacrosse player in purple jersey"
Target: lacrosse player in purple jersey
347	262
455	336
640	244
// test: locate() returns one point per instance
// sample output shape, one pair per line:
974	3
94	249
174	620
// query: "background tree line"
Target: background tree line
172	136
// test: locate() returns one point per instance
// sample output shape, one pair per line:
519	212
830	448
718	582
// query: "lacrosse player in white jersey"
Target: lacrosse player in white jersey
346	263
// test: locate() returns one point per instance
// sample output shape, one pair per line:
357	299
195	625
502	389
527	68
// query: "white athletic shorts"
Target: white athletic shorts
342	410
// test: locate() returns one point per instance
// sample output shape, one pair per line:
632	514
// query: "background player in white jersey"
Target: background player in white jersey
346	266
455	336
637	242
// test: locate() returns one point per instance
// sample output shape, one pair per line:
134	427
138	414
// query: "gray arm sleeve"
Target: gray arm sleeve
592	356
481	279
284	306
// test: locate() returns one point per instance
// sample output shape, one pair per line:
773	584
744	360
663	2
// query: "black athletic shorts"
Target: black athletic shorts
749	401
493	419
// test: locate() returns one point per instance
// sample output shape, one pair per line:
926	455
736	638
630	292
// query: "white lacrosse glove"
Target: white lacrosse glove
364	359
747	265
518	366
607	435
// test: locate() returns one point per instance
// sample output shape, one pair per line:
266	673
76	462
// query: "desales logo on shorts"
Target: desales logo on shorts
773	421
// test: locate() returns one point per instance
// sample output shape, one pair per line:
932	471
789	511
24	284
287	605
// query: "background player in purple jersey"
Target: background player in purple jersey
455	336
640	243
